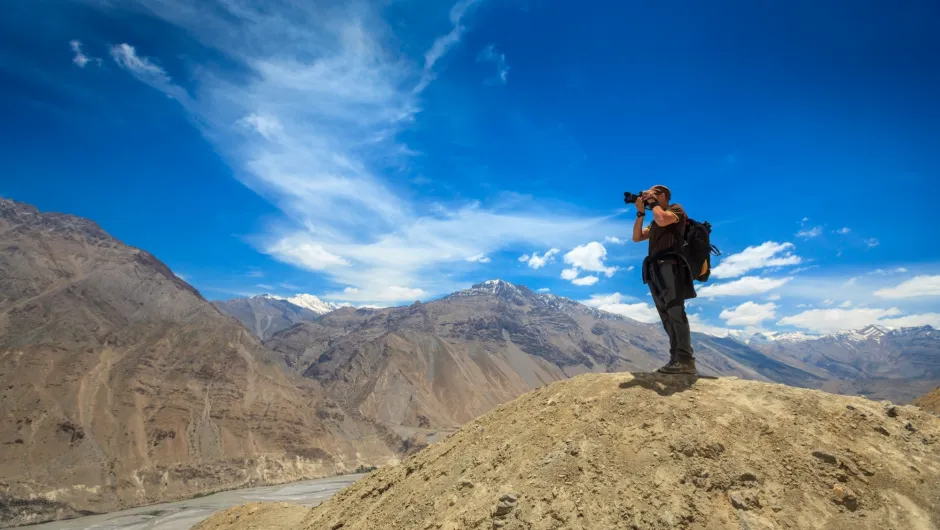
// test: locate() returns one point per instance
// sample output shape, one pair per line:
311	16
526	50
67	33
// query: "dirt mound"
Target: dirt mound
658	452
930	401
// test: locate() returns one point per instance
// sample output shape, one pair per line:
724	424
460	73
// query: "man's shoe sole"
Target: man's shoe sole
692	371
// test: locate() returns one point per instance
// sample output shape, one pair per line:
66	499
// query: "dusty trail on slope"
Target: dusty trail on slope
655	452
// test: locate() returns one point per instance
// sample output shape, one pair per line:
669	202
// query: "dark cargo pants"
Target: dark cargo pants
671	309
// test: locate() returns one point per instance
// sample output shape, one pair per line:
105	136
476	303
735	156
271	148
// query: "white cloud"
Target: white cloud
916	286
805	219
491	55
569	274
545	290
844	230
585	280
872	242
630	268
265	286
924	319
80	59
479	258
833	320
846	304
148	72
811	232
698	325
350	290
748	285
773	297
537	262
614	240
314	107
444	43
749	314
828	301
614	303
589	257
524	258
768	254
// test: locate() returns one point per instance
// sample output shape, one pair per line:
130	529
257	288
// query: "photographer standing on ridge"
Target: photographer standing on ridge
667	272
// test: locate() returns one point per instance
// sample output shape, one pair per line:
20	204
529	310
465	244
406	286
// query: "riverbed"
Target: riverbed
183	515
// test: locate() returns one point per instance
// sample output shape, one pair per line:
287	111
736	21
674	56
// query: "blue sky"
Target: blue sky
398	150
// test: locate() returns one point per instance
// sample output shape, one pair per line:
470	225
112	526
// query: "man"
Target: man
667	272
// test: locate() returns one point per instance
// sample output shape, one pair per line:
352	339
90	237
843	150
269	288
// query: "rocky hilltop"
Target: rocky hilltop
930	401
120	385
438	365
605	451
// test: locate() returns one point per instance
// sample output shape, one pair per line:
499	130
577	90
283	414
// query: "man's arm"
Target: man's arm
664	217
640	233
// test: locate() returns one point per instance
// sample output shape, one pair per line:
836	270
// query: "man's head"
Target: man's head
661	194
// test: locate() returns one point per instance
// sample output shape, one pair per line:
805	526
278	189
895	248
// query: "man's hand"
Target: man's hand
641	202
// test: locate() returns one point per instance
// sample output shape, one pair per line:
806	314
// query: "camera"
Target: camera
630	198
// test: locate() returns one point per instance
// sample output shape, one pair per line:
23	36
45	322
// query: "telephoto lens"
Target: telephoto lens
630	198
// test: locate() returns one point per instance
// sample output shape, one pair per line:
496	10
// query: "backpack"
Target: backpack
698	249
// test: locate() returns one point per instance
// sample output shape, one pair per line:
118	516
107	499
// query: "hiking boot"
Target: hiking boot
679	366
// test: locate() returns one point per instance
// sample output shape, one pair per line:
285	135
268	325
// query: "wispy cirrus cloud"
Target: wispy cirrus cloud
79	58
491	55
445	42
311	112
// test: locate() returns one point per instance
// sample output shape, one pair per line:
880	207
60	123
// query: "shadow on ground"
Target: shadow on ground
663	384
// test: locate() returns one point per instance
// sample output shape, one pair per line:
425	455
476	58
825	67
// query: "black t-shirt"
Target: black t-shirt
667	237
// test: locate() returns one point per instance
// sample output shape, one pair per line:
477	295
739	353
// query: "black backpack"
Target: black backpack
698	249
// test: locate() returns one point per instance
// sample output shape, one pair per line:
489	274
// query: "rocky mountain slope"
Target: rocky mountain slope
653	453
930	401
120	385
438	365
265	315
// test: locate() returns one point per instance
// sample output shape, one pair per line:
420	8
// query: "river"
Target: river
183	515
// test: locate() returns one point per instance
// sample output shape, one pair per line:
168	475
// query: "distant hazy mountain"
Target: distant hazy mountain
122	386
265	315
877	362
442	363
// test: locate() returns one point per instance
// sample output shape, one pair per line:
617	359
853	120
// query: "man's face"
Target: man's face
656	194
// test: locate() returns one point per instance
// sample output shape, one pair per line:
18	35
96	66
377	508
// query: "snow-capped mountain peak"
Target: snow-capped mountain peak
313	303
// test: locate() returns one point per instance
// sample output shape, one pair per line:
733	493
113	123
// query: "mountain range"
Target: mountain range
121	385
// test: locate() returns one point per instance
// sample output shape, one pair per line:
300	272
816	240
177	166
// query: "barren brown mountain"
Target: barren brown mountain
640	451
120	385
265	315
930	401
438	365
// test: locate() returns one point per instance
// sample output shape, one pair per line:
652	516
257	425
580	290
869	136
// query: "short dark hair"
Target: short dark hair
659	188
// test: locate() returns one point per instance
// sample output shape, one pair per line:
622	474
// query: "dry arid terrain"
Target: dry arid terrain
120	385
605	451
930	401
